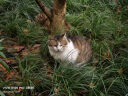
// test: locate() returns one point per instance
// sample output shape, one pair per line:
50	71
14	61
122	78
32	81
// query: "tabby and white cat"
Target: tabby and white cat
75	50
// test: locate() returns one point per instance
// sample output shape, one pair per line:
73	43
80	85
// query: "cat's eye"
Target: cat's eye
49	45
55	45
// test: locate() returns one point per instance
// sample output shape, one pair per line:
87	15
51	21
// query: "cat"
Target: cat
75	50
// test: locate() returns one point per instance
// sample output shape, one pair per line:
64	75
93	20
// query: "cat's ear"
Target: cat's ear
51	37
64	35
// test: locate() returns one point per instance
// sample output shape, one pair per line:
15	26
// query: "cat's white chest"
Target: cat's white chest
70	53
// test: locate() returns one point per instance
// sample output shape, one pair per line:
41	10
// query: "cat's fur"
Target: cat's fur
75	50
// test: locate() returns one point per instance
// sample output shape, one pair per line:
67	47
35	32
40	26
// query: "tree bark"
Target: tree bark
53	20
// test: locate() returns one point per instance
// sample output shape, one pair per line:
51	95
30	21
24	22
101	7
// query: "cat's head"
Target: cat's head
58	42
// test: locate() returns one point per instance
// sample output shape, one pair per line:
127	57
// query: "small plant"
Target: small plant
3	56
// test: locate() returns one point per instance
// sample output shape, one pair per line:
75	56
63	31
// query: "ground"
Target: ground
26	69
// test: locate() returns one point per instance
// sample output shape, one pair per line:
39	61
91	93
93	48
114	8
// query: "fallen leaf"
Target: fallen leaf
116	18
24	52
10	94
91	85
120	71
28	21
107	54
2	68
36	45
9	42
120	7
18	48
85	6
95	62
37	81
9	75
115	1
14	48
118	11
26	31
10	60
118	31
19	90
92	34
83	91
35	48
48	67
11	50
56	91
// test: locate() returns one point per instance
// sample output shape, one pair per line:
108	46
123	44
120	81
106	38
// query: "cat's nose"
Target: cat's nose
58	50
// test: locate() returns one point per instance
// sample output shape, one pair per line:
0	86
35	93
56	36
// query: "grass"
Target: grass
100	21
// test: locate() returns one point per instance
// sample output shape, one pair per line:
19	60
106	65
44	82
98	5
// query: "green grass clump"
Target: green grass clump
96	19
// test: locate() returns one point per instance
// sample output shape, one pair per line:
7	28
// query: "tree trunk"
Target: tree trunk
53	20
